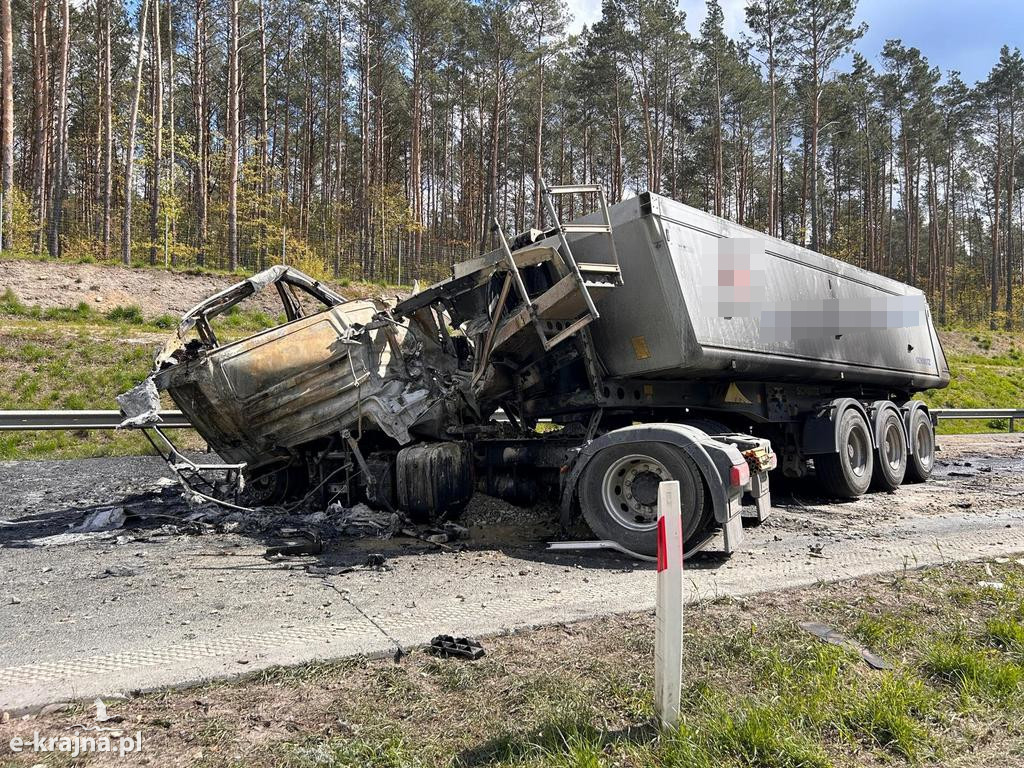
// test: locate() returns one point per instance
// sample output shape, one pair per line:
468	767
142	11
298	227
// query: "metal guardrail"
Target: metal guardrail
14	420
979	413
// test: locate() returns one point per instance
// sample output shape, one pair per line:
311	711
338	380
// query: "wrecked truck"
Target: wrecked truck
583	364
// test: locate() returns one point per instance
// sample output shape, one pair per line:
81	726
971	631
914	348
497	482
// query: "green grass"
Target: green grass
774	698
758	691
72	367
986	371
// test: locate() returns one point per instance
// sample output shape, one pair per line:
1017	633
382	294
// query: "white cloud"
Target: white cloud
589	11
583	12
734	12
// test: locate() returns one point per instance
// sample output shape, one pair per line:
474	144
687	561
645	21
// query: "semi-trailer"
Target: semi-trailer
584	363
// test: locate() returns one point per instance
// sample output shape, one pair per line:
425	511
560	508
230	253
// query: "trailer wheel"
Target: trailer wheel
619	493
847	473
891	457
922	457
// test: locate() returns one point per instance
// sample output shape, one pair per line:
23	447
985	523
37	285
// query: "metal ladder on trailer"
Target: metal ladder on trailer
568	306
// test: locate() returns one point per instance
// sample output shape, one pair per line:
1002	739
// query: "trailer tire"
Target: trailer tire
619	493
847	473
892	455
921	458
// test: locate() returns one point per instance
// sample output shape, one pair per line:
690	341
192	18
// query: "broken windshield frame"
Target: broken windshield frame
285	279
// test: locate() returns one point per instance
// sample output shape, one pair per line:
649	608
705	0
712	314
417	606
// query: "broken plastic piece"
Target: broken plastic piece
462	647
106	519
828	635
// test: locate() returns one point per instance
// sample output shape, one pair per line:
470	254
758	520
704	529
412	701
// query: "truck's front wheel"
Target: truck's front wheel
619	493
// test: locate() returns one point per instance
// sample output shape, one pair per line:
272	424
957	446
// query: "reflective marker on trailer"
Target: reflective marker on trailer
668	622
739	474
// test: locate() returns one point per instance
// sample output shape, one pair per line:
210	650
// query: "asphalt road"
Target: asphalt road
143	607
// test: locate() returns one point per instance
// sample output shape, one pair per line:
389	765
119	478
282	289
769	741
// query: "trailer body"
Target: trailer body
721	301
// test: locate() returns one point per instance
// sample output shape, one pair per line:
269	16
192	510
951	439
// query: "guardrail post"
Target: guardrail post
668	620
1011	423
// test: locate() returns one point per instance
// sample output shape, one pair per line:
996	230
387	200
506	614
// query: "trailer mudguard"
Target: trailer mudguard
714	460
877	409
821	431
908	409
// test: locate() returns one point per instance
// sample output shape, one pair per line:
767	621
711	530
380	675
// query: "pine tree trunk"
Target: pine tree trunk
169	224
158	130
129	166
263	138
40	117
997	189
233	88
53	240
201	118
7	137
1010	173
108	133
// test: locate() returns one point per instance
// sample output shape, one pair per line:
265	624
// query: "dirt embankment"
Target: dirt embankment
154	291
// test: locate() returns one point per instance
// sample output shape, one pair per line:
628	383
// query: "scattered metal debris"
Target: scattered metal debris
828	635
101	520
460	647
306	544
571	546
362	521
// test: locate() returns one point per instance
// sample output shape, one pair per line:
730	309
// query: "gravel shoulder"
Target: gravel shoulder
136	609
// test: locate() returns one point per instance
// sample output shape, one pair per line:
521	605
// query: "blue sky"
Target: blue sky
953	34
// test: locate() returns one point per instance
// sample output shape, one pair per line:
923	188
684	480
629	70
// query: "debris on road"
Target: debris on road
362	521
102	520
118	571
460	647
307	544
376	560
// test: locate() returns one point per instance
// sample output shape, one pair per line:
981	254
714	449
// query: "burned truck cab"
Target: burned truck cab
321	404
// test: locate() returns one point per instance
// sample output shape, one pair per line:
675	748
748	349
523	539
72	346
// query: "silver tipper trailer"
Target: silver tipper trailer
702	297
649	330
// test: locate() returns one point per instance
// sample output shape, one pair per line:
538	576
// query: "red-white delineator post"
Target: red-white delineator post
668	622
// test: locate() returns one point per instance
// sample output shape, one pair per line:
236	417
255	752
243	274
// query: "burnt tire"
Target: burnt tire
891	457
847	473
922	455
618	494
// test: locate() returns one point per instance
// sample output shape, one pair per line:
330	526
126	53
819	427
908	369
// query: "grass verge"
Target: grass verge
759	692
